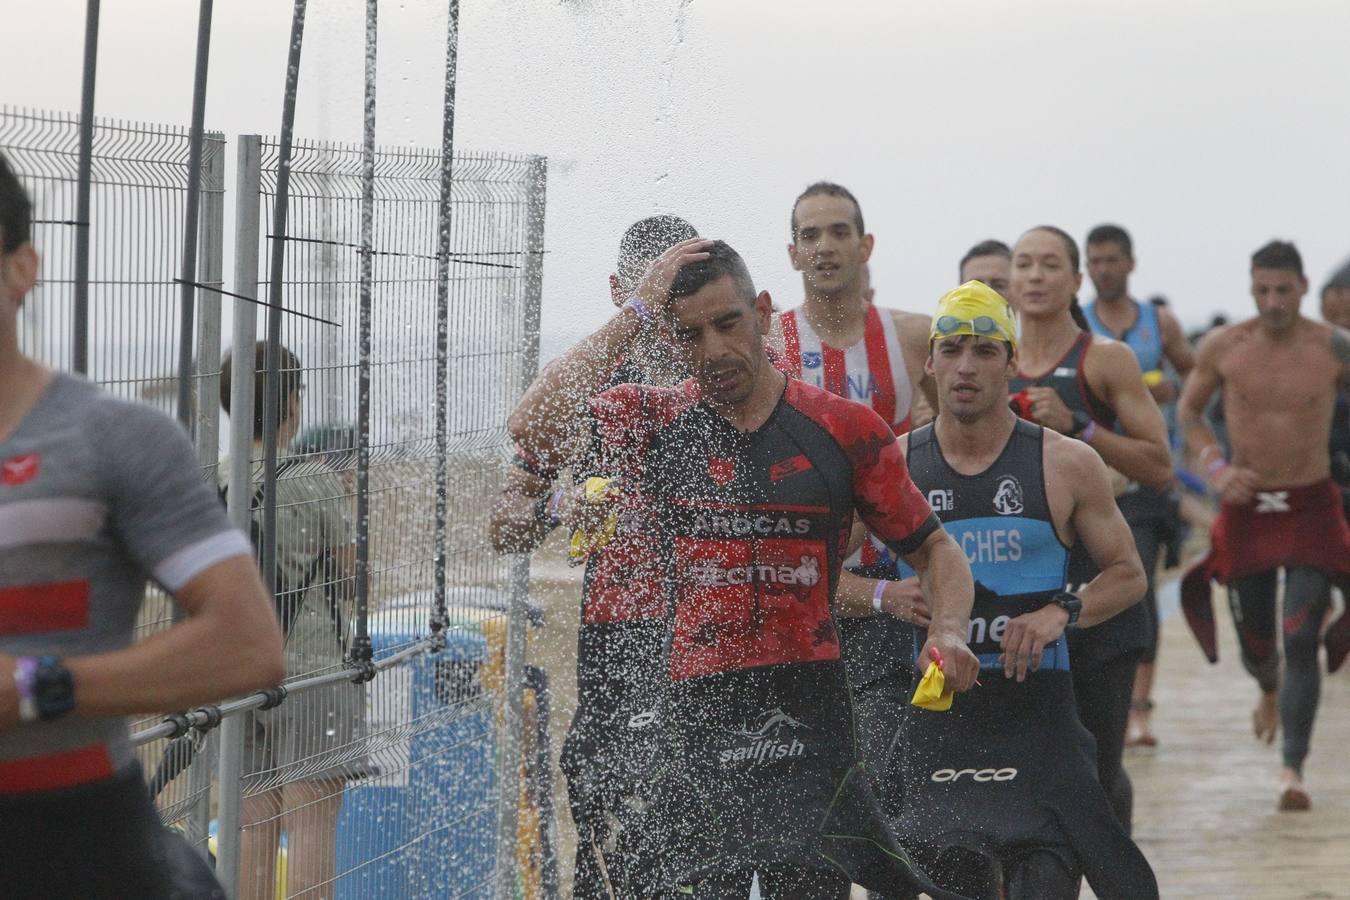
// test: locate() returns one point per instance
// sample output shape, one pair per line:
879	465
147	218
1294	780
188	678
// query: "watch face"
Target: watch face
54	690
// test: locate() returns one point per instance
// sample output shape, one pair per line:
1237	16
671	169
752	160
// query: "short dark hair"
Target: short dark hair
1278	255
1112	234
288	372
829	189
644	241
990	247
16	210
1070	245
722	261
1339	279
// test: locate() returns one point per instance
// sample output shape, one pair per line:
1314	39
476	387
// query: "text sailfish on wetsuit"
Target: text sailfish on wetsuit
765	742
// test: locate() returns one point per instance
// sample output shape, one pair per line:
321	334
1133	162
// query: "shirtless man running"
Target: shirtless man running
1279	373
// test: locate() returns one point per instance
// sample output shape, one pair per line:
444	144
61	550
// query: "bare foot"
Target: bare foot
1266	717
1139	732
1293	797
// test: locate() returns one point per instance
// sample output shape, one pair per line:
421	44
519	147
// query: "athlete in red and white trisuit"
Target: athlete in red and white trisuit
840	341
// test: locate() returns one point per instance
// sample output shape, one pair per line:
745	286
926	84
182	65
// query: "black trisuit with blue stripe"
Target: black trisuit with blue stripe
1009	771
1105	657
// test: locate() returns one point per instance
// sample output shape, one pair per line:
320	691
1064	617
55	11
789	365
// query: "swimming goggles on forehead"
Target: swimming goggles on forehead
985	326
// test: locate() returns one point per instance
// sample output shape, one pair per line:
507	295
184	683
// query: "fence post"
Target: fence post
517	623
440	618
83	225
187	286
361	649
211	265
247	234
210	268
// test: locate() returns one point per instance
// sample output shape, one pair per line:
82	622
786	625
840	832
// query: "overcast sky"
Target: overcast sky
1206	127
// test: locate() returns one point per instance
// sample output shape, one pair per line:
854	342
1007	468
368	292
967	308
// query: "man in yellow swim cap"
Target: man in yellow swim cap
1014	495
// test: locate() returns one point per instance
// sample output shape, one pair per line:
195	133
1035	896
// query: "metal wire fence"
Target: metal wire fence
386	748
385	779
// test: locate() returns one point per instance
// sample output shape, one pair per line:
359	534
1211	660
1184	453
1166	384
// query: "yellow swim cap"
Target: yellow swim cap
974	308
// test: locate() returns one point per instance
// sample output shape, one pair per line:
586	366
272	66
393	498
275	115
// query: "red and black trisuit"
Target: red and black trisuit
752	746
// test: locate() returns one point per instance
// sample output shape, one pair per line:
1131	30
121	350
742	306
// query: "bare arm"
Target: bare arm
902	599
1141	451
1235	484
517	526
1340	348
543	423
1097	521
1079	473
1204	380
913	329
1176	348
229	644
946	582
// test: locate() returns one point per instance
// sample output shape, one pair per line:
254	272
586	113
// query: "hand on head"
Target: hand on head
654	289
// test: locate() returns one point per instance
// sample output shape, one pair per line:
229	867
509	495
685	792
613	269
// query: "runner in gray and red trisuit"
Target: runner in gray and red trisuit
98	496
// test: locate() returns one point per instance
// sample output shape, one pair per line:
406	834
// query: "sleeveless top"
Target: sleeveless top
1144	337
1128	631
1069	380
1140	504
872	371
1001	519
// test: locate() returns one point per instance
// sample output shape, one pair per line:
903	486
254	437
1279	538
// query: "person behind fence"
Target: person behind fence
1279	373
1000	792
750	480
307	748
622	627
99	496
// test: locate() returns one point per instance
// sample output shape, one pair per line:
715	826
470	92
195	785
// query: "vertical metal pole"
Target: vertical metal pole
537	187
83	226
272	396
240	496
186	329
361	650
439	618
517	622
210	266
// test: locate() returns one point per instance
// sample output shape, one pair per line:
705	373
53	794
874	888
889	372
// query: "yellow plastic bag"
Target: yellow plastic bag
584	543
931	692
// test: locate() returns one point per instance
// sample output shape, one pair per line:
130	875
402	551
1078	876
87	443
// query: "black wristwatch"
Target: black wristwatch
1071	605
53	689
1081	420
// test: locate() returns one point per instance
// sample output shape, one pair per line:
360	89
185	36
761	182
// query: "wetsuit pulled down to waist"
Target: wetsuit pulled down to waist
1303	526
758	767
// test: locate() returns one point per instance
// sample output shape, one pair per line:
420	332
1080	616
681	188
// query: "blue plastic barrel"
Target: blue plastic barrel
425	826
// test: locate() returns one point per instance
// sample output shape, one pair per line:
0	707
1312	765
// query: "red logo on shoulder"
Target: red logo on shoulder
721	469
19	470
780	470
